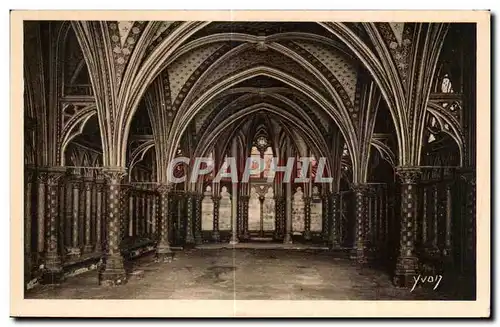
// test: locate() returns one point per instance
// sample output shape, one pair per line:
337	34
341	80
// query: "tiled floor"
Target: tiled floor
243	274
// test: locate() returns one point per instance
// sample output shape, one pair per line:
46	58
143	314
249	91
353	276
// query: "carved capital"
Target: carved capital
164	188
360	188
114	175
409	175
51	175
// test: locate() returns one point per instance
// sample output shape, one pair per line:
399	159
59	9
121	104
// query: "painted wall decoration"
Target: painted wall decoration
298	216
207	210
225	210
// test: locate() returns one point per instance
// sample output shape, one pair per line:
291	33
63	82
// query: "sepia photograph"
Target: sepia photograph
250	163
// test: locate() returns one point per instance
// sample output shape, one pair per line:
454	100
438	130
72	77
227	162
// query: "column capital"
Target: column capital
51	175
409	175
359	188
163	188
114	174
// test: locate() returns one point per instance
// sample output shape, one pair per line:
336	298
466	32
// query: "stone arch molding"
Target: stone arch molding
186	115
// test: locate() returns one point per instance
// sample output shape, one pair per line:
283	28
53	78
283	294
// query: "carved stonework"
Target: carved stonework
114	272
163	251
409	175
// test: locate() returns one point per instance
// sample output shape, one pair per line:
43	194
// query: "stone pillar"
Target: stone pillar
163	251
190	241
449	226
99	213
424	218
124	207
156	216
87	184
335	221
53	272
307	218
360	210
114	270
234	214
325	217
407	262
278	229
81	215
75	236
469	219
28	216
197	218
42	182
244	216
288	214
215	232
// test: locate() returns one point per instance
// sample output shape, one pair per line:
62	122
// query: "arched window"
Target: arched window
269	172
255	165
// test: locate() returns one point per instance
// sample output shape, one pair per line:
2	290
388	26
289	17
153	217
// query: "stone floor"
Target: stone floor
243	274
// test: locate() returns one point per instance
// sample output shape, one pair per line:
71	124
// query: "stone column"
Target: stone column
307	218
156	216
189	219
163	251
234	214
99	213
469	219
42	182
335	221
288	214
114	270
75	237
124	207
87	184
360	210
53	272
449	226
407	262
215	232
424	218
28	216
197	218
244	216
325	217
278	217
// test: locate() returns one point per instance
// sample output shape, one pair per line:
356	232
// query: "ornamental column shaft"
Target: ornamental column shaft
307	218
288	213
189	220
28	216
53	264
407	262
215	232
114	270
335	221
163	251
360	211
88	248
197	219
99	214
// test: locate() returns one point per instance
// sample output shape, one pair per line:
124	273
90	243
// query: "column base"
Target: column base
216	236
359	255
164	256
112	277
334	246
114	273
88	249
287	239
307	235
234	241
52	277
198	239
406	272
